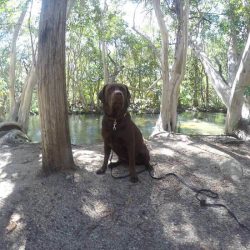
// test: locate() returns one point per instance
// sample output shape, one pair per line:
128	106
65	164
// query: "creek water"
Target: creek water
86	129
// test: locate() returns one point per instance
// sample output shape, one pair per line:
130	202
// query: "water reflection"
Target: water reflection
199	123
86	129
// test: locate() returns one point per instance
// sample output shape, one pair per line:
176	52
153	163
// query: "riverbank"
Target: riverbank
80	210
86	129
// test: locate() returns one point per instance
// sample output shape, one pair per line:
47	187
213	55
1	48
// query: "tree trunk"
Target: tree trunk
56	147
171	85
232	59
26	99
246	108
104	62
12	68
241	81
163	122
103	42
196	82
232	55
207	91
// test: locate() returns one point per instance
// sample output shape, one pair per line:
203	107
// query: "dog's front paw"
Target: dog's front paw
134	179
101	170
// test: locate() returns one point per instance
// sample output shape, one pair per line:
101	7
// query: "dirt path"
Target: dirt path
80	210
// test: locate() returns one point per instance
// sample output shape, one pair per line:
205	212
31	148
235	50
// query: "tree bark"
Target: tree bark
56	147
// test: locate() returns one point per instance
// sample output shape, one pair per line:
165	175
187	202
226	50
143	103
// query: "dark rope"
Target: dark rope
198	192
124	176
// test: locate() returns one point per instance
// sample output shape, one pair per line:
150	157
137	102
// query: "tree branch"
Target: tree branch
145	37
221	88
220	70
153	84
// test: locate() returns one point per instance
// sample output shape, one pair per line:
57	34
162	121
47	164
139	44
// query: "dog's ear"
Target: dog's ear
101	95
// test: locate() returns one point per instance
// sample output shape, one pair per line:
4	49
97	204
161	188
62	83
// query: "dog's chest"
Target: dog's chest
117	143
116	139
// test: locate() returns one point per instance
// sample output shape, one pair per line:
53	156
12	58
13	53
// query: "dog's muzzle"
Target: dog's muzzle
117	99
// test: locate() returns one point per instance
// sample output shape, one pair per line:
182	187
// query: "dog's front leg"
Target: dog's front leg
107	151
131	159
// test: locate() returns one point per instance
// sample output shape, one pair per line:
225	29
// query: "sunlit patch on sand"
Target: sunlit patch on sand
96	209
88	158
6	188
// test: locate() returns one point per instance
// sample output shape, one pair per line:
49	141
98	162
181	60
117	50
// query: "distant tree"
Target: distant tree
172	78
14	103
31	81
230	87
239	85
56	146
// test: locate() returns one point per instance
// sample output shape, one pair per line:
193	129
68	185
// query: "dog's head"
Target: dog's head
115	98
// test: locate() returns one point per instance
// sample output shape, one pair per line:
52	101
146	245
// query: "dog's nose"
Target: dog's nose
118	92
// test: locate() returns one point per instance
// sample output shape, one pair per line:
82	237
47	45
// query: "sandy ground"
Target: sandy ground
80	210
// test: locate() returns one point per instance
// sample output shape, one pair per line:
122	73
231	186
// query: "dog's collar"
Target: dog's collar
116	119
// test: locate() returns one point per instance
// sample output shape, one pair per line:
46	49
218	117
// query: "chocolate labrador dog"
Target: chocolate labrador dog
119	132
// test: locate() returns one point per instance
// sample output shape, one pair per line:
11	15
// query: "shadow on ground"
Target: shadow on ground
81	210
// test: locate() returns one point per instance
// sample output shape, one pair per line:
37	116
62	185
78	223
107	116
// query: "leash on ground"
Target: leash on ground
200	194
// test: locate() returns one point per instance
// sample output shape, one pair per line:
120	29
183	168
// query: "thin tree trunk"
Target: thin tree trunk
196	81
178	69
207	91
202	90
103	42
105	62
12	68
26	99
56	147
163	122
